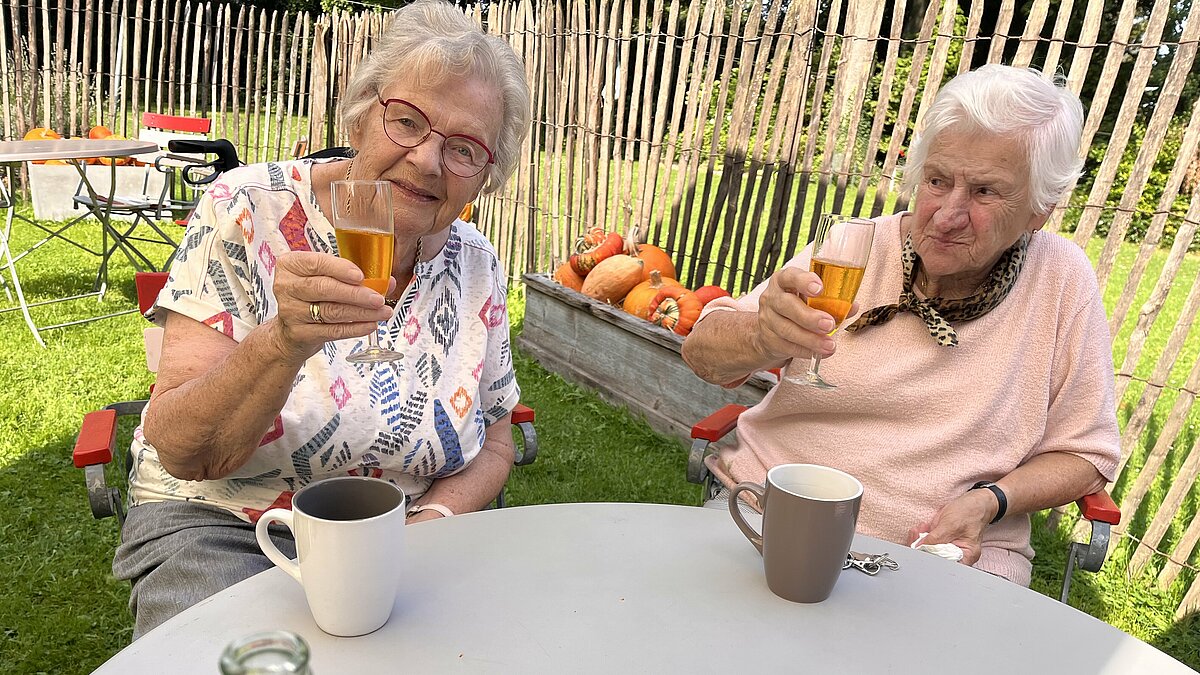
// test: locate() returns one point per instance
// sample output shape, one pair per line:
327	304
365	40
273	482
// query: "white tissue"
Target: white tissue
948	551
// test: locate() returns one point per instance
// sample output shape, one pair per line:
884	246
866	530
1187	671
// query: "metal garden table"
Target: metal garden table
74	151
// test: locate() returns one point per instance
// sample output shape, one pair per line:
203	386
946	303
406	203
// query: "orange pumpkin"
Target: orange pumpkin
99	132
709	293
119	161
583	262
567	277
612	279
676	308
654	257
41	134
637	301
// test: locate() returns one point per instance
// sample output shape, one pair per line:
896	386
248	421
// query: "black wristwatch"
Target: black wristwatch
1000	497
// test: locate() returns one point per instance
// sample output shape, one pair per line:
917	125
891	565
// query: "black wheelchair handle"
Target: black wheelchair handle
204	172
227	157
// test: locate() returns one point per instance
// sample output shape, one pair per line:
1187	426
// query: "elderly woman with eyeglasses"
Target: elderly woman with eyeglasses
976	386
255	398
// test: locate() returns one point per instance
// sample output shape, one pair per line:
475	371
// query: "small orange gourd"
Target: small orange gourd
593	237
637	301
612	279
654	257
676	309
567	277
585	261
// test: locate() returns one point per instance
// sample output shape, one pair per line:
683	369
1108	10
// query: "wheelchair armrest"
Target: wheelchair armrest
96	439
148	285
521	414
1099	506
522	417
94	450
1100	509
707	431
719	423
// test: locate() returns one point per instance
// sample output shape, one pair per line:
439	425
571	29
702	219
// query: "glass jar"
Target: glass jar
267	653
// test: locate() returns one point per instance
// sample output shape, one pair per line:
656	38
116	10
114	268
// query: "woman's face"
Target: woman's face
425	195
972	204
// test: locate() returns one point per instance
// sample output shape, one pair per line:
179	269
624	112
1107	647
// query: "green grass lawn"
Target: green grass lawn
61	611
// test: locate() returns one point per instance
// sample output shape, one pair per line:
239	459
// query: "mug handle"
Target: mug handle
268	547
759	491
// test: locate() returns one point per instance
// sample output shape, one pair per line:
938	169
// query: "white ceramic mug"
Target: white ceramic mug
349	541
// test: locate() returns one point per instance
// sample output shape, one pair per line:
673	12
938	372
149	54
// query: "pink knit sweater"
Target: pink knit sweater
919	424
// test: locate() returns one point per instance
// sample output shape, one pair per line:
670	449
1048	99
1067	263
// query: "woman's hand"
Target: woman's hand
787	326
347	309
961	522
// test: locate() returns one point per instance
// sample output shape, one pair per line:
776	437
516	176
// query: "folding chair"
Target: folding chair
162	196
95	446
1097	508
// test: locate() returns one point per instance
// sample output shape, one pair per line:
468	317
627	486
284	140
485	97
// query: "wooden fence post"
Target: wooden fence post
318	87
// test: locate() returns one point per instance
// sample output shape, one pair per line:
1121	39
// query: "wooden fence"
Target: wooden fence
110	60
717	128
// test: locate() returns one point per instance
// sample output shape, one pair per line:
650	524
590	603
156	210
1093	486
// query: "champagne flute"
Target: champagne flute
840	251
364	223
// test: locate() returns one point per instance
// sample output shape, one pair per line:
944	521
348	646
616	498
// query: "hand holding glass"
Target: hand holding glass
363	221
840	251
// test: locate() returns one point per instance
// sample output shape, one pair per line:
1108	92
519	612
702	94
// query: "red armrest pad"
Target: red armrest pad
96	438
522	413
148	285
1100	506
716	425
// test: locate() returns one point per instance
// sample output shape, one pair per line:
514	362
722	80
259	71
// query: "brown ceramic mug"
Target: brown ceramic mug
809	514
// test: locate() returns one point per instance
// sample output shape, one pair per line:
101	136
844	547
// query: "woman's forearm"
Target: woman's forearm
1048	480
723	348
207	426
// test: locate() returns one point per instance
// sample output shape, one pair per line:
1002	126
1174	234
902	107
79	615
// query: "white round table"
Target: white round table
73	150
615	588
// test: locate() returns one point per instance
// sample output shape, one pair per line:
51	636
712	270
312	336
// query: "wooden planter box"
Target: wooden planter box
628	361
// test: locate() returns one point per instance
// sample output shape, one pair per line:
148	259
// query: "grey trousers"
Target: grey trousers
178	553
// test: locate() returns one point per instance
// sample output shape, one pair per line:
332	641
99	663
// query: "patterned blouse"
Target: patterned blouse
407	422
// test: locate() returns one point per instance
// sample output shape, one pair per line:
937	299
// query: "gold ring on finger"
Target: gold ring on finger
314	310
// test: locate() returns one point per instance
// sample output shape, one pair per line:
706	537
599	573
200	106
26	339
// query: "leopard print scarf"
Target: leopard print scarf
937	313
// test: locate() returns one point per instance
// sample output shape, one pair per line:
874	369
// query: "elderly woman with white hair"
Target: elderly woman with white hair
977	385
255	398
